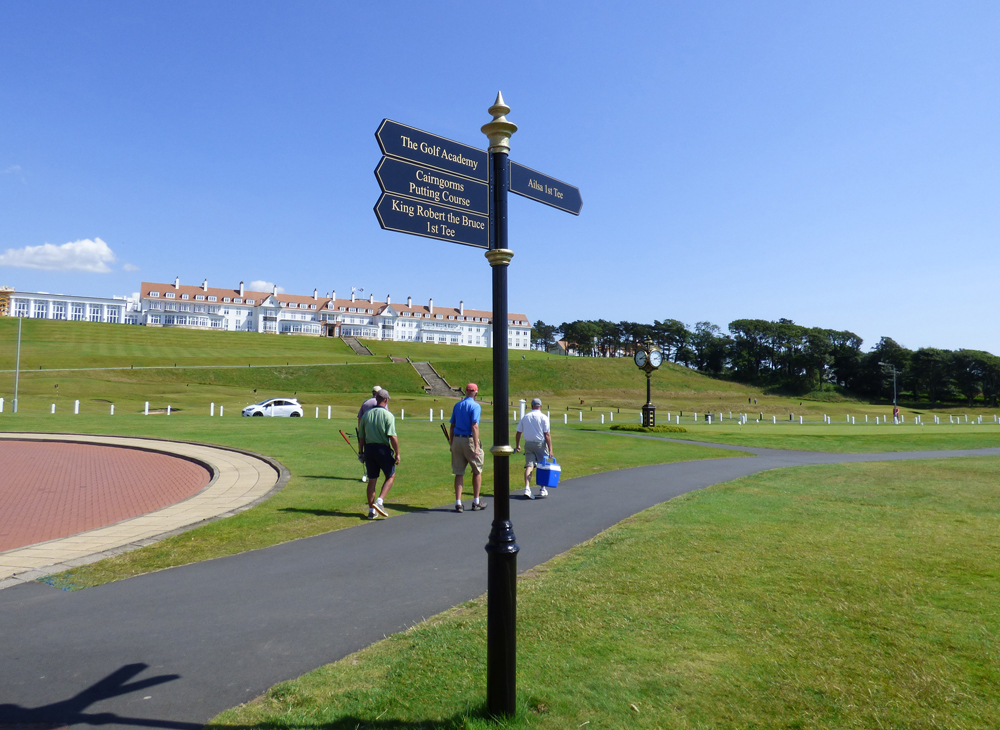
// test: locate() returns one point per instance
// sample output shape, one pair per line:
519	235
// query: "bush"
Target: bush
651	429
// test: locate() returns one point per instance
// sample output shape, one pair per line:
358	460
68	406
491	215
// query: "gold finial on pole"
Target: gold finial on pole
499	130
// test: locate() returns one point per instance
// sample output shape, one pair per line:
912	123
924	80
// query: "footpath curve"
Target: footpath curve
239	480
172	649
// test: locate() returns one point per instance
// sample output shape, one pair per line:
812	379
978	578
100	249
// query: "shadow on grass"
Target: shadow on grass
324	512
324	476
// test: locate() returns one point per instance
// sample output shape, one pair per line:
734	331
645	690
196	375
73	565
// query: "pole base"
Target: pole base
649	415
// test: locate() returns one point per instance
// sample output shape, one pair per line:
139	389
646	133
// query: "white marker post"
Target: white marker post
602	418
402	413
440	414
221	408
329	411
581	416
53	409
168	410
112	409
317	411
211	411
145	411
432	415
1	405
565	419
76	408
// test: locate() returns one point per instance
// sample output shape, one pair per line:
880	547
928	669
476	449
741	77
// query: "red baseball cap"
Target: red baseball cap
472	386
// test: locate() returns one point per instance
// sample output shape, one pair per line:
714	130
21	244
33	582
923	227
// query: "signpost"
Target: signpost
434	187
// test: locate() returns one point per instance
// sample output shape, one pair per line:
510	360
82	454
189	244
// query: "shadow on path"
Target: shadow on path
71	711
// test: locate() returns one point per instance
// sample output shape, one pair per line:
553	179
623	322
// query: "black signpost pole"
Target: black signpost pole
501	620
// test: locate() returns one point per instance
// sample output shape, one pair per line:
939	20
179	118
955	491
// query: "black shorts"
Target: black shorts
379	457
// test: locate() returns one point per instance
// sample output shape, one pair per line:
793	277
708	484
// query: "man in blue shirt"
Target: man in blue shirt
466	448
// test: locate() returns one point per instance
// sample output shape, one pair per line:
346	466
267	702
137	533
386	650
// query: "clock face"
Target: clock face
640	358
655	358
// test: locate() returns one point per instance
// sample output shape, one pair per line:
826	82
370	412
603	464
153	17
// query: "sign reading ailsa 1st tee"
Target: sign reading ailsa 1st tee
537	186
424	148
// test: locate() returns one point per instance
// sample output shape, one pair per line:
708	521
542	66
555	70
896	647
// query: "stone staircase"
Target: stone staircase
436	385
353	343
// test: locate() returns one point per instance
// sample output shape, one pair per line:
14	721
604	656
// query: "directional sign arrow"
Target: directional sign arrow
533	184
432	186
405	215
424	148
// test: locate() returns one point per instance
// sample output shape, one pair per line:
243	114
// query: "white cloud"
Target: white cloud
130	267
11	169
86	255
267	286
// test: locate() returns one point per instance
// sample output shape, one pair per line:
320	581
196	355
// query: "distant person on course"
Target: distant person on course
466	448
365	407
377	439
537	443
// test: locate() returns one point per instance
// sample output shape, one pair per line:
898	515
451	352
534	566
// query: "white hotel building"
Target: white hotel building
202	307
42	305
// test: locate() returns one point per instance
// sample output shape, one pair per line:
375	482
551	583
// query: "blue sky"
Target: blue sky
837	164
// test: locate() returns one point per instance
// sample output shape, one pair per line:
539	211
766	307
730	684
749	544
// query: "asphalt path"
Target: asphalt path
174	648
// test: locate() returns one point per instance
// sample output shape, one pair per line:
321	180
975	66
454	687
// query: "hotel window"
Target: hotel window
170	295
41	309
154	294
77	312
20	307
156	305
113	314
185	296
199	297
227	300
213	299
154	319
249	301
95	312
58	310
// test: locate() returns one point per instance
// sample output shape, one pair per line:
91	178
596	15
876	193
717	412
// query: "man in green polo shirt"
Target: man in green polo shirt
377	439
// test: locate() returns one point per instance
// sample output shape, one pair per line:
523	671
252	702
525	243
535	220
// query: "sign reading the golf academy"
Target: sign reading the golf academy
424	148
427	184
533	184
404	215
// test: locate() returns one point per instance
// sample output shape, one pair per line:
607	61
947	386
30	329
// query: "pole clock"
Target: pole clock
648	359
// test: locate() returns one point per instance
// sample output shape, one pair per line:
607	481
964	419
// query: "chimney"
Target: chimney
387	299
431	306
177	283
409	301
333	294
204	285
275	289
352	295
461	308
371	298
315	293
241	288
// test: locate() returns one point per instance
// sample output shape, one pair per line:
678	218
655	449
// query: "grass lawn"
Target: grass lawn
848	596
848	439
325	492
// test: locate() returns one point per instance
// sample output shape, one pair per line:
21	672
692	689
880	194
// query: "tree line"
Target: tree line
790	357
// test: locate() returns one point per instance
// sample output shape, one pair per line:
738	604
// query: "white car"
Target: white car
275	407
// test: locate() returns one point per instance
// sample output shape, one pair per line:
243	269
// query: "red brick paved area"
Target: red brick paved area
51	490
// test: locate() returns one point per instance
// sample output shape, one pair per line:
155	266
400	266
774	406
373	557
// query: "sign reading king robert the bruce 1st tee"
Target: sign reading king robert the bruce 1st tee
424	148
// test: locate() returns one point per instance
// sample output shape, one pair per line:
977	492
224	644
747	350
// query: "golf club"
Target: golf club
365	477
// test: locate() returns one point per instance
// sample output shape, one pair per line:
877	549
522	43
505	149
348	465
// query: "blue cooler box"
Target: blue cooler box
547	473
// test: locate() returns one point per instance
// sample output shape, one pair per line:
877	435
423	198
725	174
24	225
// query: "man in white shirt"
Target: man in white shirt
537	443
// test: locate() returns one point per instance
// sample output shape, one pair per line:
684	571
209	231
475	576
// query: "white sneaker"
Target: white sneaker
543	492
528	494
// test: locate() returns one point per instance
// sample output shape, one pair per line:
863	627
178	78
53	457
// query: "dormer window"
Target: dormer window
439	316
154	294
451	316
169	295
185	296
371	311
213	298
237	300
199	297
293	305
251	301
344	309
406	314
227	299
312	306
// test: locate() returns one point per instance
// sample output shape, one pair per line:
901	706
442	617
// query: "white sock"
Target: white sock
476	500
458	501
378	501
